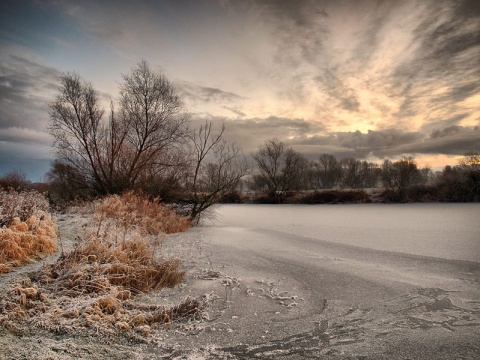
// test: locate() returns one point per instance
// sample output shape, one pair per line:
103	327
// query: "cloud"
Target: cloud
235	111
300	28
453	140
92	16
448	131
28	158
25	135
195	92
253	132
344	96
417	58
26	88
210	101
309	72
377	143
447	49
450	121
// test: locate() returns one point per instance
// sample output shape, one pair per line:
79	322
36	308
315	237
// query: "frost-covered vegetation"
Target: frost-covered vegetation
27	230
94	288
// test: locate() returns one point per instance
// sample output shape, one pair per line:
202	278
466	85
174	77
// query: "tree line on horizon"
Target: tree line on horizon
280	169
146	144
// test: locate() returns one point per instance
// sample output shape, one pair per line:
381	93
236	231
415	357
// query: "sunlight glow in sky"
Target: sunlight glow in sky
362	78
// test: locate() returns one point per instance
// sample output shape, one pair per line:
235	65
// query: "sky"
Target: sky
360	78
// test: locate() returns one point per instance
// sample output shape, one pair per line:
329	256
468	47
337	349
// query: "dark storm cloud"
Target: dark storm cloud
448	131
25	90
453	140
449	141
449	121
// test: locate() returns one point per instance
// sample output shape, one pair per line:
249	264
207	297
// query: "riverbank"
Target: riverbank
412	194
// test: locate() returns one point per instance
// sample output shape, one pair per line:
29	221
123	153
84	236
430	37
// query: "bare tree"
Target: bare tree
15	180
351	173
280	168
462	182
330	171
217	167
75	123
370	174
401	174
65	183
470	165
144	137
156	126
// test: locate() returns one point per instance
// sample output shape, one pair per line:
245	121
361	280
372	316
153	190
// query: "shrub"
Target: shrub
422	193
334	196
267	199
27	229
101	260
393	196
136	210
232	197
99	264
15	180
20	204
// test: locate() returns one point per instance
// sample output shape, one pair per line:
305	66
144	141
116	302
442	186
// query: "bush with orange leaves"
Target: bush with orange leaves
27	230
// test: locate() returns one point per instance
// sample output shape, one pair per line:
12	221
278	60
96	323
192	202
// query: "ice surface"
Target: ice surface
450	231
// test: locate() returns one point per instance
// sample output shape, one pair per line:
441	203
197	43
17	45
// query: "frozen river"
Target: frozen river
450	231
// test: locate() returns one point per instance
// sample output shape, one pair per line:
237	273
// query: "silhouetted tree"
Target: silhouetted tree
280	168
216	169
471	168
462	182
351	173
66	183
401	174
329	171
370	174
111	156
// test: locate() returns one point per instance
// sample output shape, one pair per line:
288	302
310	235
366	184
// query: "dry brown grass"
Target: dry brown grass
29	306
23	241
98	264
96	286
20	204
134	210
